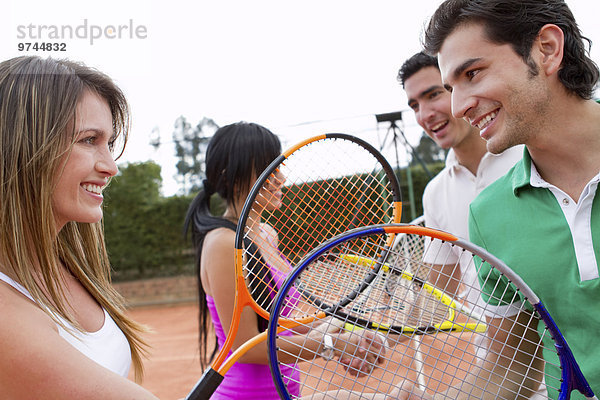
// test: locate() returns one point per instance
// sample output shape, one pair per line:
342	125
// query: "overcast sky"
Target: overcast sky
300	68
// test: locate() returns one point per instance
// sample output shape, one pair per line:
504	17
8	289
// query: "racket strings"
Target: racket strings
332	199
334	277
338	274
403	302
408	252
399	297
319	200
306	210
390	296
469	310
320	375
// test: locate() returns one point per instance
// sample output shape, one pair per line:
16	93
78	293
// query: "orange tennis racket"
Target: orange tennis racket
317	189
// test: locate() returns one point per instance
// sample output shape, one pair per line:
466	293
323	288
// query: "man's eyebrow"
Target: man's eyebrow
429	90
425	92
462	67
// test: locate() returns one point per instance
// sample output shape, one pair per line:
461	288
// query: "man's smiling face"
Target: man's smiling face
431	104
492	87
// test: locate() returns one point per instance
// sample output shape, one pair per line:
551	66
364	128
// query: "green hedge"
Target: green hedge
144	230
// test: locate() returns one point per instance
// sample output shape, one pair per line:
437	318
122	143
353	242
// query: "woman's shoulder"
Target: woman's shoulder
22	324
220	237
32	347
218	256
218	243
18	308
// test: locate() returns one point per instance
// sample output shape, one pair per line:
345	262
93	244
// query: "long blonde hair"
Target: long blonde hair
38	100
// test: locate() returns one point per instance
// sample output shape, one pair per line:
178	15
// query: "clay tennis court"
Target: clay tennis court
174	367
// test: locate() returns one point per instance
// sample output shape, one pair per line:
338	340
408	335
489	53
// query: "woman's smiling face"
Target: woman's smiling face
87	166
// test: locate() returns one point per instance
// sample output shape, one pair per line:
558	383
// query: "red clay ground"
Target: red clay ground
173	367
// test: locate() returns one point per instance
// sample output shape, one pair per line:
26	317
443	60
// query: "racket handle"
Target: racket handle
206	386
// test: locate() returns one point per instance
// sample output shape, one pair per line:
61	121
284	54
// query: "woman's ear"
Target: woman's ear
549	46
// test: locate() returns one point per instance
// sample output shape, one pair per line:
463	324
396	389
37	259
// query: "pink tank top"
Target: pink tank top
251	381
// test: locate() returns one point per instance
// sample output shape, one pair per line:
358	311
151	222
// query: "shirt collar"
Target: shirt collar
451	160
537	181
521	176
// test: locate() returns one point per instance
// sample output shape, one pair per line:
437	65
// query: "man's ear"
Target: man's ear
549	46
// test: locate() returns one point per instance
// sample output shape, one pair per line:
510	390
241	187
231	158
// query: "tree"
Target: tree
136	185
128	199
190	148
428	151
144	234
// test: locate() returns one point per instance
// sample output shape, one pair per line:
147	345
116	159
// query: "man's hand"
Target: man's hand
370	352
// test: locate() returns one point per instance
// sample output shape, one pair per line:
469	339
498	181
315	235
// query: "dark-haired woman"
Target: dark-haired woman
236	155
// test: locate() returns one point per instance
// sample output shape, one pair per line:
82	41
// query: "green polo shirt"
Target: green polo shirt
525	227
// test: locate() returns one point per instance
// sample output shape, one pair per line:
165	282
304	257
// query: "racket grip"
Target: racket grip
206	386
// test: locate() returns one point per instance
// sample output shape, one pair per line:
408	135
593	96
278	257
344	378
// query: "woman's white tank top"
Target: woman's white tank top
107	346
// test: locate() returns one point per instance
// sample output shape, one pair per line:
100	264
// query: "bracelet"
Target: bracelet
328	350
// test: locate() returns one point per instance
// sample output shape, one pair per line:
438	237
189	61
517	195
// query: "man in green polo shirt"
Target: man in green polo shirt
519	71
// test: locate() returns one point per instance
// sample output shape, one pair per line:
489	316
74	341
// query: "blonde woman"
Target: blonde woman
63	330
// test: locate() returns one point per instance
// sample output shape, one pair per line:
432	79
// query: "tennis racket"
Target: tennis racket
520	350
333	183
411	248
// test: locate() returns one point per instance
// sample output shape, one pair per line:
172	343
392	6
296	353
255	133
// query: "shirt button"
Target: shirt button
565	201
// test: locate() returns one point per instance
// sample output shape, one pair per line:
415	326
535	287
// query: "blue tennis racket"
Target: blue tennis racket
504	346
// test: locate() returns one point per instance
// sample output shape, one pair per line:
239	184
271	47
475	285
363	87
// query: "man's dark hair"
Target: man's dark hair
518	22
415	64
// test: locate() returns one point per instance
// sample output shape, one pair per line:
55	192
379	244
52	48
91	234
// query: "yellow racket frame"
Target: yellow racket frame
446	326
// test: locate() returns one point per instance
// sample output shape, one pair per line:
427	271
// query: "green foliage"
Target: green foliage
136	185
428	151
143	230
